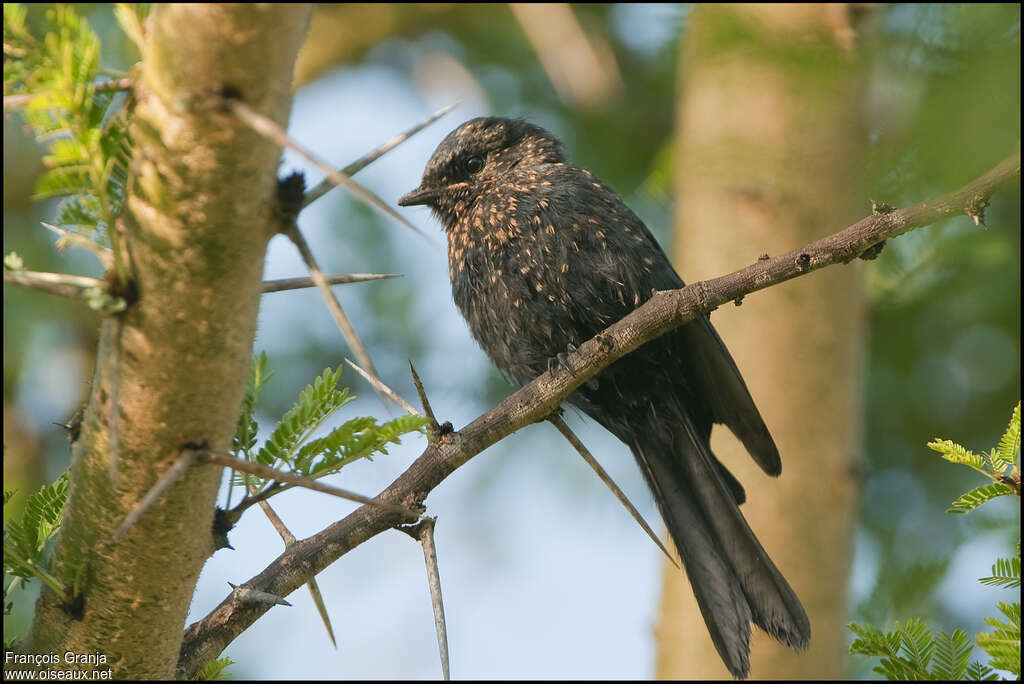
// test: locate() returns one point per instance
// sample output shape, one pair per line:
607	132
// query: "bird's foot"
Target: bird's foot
562	359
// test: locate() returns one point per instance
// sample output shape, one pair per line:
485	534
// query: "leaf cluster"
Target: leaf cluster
215	670
910	650
25	539
1000	465
292	444
75	113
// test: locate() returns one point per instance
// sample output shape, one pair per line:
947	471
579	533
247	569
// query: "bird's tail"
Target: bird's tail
733	578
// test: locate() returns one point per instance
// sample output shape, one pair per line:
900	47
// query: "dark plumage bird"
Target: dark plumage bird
543	256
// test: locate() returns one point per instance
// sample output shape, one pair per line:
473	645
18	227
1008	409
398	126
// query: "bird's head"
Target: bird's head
476	158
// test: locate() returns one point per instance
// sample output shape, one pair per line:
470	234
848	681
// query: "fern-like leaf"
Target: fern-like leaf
977	496
89	147
952	655
956	453
27	537
214	670
904	652
247	428
1007	453
1005	573
316	403
1003	643
918	643
976	672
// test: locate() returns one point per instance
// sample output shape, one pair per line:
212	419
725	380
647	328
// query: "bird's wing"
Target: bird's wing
634	257
622	265
717	379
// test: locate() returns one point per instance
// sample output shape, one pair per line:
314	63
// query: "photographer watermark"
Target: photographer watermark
57	666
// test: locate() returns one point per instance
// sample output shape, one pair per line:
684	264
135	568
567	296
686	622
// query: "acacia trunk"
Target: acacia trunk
172	368
769	137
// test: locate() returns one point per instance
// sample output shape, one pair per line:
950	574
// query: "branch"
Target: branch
267	472
74	286
60	284
205	639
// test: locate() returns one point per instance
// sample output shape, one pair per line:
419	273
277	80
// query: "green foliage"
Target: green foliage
1006	454
291	444
25	539
245	433
1005	573
910	650
316	403
215	669
999	465
1003	644
968	501
73	112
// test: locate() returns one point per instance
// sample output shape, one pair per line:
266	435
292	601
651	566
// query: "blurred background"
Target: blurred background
793	122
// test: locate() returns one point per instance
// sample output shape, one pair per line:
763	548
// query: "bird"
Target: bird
542	256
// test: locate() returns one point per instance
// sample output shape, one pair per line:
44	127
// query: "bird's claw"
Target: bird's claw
562	359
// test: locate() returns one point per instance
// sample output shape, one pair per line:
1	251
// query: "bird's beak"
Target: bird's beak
420	195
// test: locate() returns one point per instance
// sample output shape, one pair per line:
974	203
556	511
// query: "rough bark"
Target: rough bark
769	134
174	365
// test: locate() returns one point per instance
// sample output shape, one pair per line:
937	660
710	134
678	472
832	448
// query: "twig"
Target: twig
557	421
385	390
288	538
273	132
22	99
70	237
269	473
358	165
60	284
208	637
333	305
169	477
424	532
283	284
433	426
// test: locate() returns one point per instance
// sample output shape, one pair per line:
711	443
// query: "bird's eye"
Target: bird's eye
474	164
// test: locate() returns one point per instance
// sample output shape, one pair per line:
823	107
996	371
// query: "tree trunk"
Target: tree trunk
769	135
174	365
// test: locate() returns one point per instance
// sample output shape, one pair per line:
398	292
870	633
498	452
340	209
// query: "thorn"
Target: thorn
569	435
370	157
385	390
433	427
257	596
283	284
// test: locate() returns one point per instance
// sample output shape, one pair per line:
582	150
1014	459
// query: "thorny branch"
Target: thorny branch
205	639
